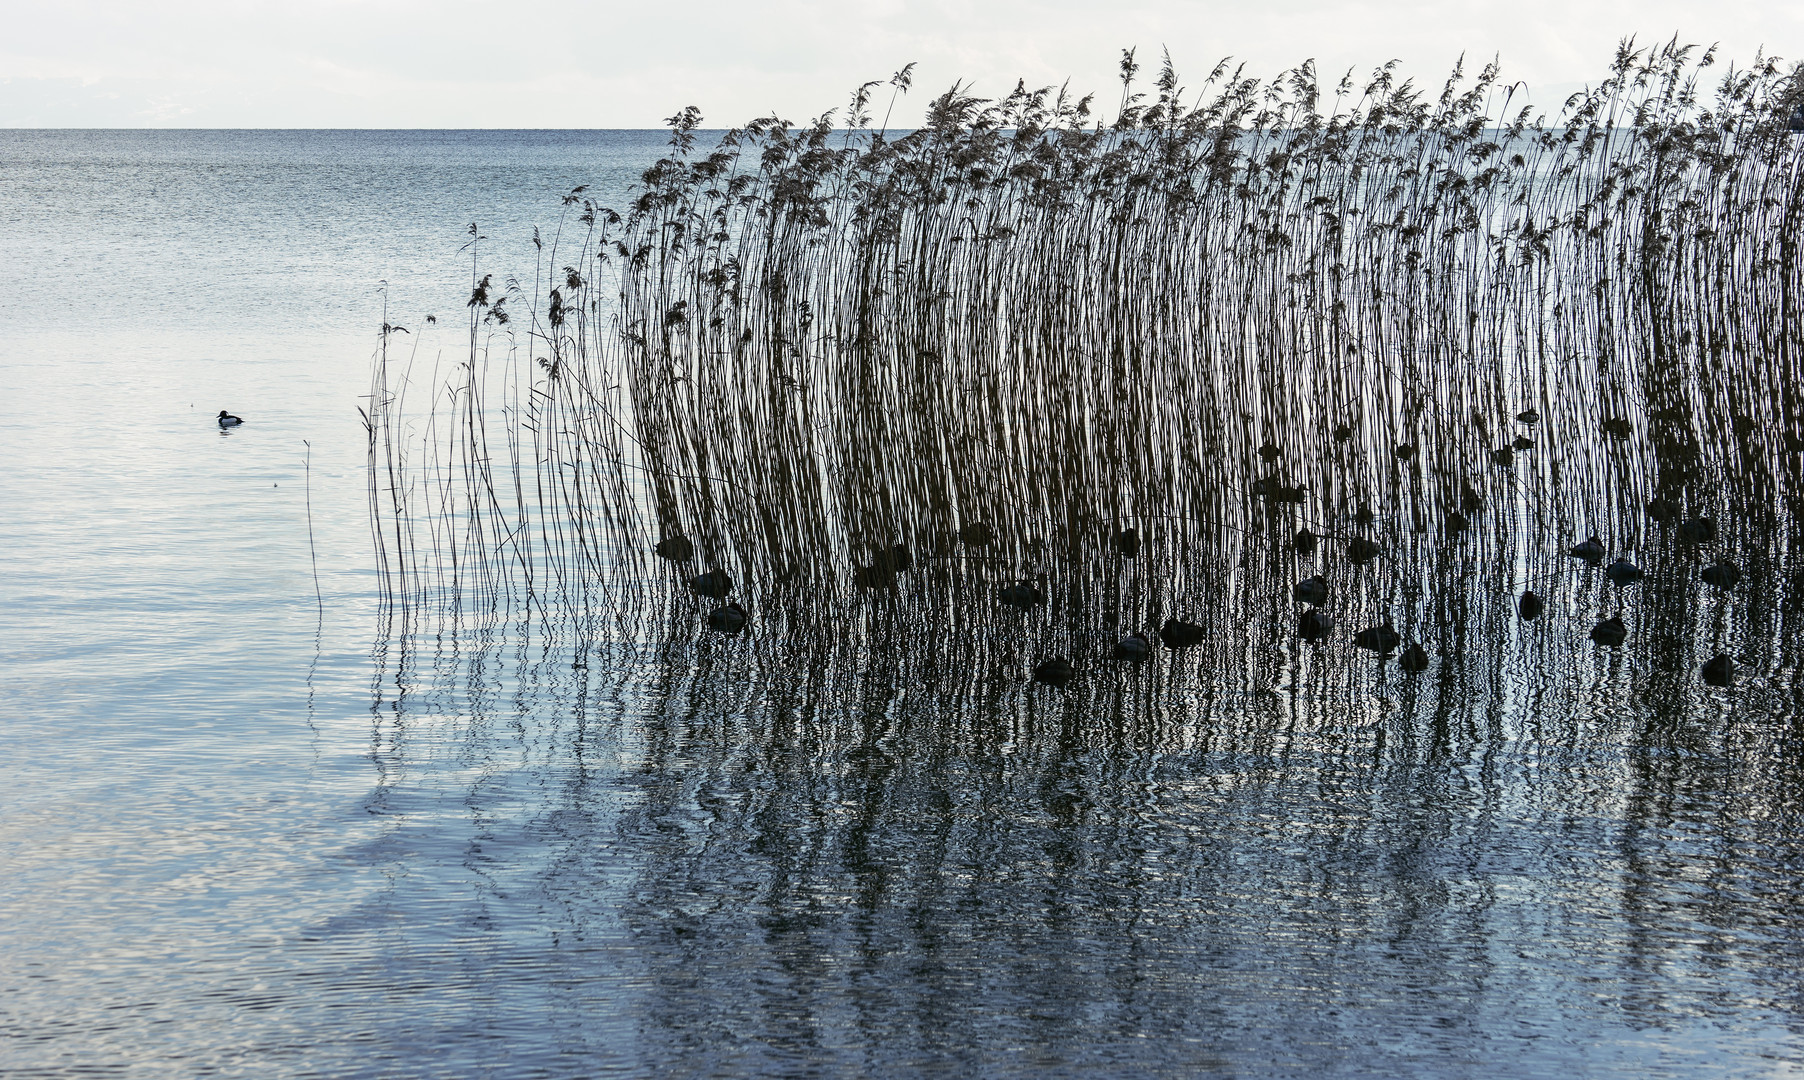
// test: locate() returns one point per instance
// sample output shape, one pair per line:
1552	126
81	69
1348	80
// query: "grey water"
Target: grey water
247	828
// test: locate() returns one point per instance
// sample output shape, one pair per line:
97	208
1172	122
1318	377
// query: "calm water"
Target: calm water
245	831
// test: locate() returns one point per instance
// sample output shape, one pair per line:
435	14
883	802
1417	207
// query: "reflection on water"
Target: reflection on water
881	849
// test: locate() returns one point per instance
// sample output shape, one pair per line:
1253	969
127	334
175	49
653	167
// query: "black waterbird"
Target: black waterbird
1697	530
1126	543
873	577
1592	551
976	535
1022	596
1133	648
1719	670
1269	453
1528	416
1610	632
1055	672
1314	624
1177	634
1623	572
714	583
729	618
1312	591
1530	605
1382	638
1721	575
675	548
226	419
1522	442
1457	523
1361	551
1303	542
1413	659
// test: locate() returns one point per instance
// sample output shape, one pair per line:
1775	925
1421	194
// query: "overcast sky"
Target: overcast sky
527	63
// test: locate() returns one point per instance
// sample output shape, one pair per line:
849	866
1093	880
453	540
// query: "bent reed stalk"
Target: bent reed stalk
1005	336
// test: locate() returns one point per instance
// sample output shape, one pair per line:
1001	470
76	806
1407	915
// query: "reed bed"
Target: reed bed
1138	364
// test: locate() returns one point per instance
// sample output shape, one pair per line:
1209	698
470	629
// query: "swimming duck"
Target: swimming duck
728	619
1312	591
1623	572
1592	551
1134	648
976	535
1697	530
1303	542
1126	543
895	560
675	548
1055	673
1022	596
1413	659
1719	670
714	583
226	419
1177	634
1379	639
1610	632
1457	523
1314	624
1722	575
1530	605
873	577
1361	551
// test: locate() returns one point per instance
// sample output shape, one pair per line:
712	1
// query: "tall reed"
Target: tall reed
999	339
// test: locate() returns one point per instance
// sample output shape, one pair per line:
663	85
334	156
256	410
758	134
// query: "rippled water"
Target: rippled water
248	831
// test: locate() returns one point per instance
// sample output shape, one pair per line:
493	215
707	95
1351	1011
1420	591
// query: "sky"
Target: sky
533	64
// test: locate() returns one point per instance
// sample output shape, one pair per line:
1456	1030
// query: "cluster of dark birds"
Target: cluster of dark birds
1315	624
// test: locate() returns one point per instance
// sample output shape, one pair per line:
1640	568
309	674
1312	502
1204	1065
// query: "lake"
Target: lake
250	825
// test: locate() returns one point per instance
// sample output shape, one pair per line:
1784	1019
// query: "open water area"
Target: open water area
248	827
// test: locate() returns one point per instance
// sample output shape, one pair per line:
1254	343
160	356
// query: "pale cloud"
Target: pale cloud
402	63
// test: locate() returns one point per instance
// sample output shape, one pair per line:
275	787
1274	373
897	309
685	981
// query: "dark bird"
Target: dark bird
1719	670
895	560
1528	416
1281	493
1530	605
1312	591
1722	575
1405	451
1126	543
1342	432
675	548
1796	123
1662	510
1314	625
1177	634
1504	456
1269	453
1361	551
1457	523
1592	551
1623	572
226	419
1617	428
1697	530
1610	632
1380	639
1469	500
1022	595
728	619
1304	542
715	583
873	577
976	535
1132	648
1413	659
1055	673
1522	442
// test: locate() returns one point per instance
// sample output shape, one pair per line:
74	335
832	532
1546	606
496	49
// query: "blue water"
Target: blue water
247	829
